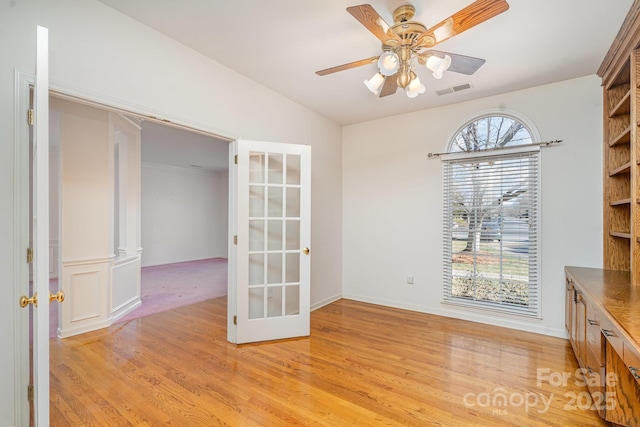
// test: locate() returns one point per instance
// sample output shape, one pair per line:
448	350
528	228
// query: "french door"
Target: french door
270	254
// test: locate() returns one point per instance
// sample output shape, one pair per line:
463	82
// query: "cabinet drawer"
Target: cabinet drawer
631	358
612	335
594	375
594	333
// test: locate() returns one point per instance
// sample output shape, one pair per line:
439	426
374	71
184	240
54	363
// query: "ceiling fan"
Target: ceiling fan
405	42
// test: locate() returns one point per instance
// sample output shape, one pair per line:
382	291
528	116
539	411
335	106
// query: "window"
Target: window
490	217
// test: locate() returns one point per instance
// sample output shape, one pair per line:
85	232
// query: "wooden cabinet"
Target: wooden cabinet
603	305
604	330
620	72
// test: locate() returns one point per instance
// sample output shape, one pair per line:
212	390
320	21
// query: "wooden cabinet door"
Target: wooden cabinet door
568	306
568	312
580	328
623	392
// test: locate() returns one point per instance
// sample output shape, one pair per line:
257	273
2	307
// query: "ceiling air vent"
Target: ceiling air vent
454	89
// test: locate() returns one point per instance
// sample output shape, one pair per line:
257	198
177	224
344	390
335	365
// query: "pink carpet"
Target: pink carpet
169	286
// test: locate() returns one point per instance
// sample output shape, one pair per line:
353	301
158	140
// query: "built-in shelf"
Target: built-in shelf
623	138
622	107
621	202
626	168
620	234
622	78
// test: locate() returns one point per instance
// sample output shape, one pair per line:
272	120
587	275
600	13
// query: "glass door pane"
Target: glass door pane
274	260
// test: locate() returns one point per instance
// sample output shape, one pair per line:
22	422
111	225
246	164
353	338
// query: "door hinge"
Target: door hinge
29	255
235	159
30	395
235	239
30	116
235	320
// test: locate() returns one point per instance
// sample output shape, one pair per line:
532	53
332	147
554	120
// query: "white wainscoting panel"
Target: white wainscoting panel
85	284
85	289
125	287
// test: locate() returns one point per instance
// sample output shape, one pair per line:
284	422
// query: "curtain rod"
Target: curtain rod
544	144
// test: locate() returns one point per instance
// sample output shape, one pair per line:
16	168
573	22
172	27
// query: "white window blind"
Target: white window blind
491	231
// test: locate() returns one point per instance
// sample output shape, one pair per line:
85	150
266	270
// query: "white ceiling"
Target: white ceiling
281	43
166	145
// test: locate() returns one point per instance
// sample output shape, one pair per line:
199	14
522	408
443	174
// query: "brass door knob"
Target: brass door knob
58	296
305	251
25	301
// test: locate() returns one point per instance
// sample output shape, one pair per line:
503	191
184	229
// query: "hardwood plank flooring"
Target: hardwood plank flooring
363	365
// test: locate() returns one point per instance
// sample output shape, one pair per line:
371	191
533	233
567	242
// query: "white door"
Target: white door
269	267
40	180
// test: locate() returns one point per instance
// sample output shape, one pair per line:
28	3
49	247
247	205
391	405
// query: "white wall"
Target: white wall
392	199
184	214
100	54
86	192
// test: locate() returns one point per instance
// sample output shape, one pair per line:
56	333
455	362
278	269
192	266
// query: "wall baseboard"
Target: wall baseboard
83	329
470	315
325	301
123	310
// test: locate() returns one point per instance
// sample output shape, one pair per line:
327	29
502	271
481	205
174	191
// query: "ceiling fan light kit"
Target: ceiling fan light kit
375	83
414	88
405	44
438	65
388	63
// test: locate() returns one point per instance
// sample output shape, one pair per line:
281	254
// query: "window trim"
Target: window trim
533	147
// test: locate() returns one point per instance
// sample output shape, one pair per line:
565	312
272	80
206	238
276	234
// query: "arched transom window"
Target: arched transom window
490	132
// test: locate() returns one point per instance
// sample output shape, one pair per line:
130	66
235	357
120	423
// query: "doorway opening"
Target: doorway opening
166	214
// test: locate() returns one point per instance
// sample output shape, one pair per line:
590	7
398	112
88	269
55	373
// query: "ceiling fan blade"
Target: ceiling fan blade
368	17
472	15
459	63
347	66
390	86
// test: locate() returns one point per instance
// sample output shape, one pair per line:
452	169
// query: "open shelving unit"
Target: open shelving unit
602	304
621	164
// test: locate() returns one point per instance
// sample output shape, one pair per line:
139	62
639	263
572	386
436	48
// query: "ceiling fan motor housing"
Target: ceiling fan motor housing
408	31
404	27
404	13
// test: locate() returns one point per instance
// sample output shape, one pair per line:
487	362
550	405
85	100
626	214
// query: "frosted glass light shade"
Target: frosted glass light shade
375	83
438	65
414	88
388	63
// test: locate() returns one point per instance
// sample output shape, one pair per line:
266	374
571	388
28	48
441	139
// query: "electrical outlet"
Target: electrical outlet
409	280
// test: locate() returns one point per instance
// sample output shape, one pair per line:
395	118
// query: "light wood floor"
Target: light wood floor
363	365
